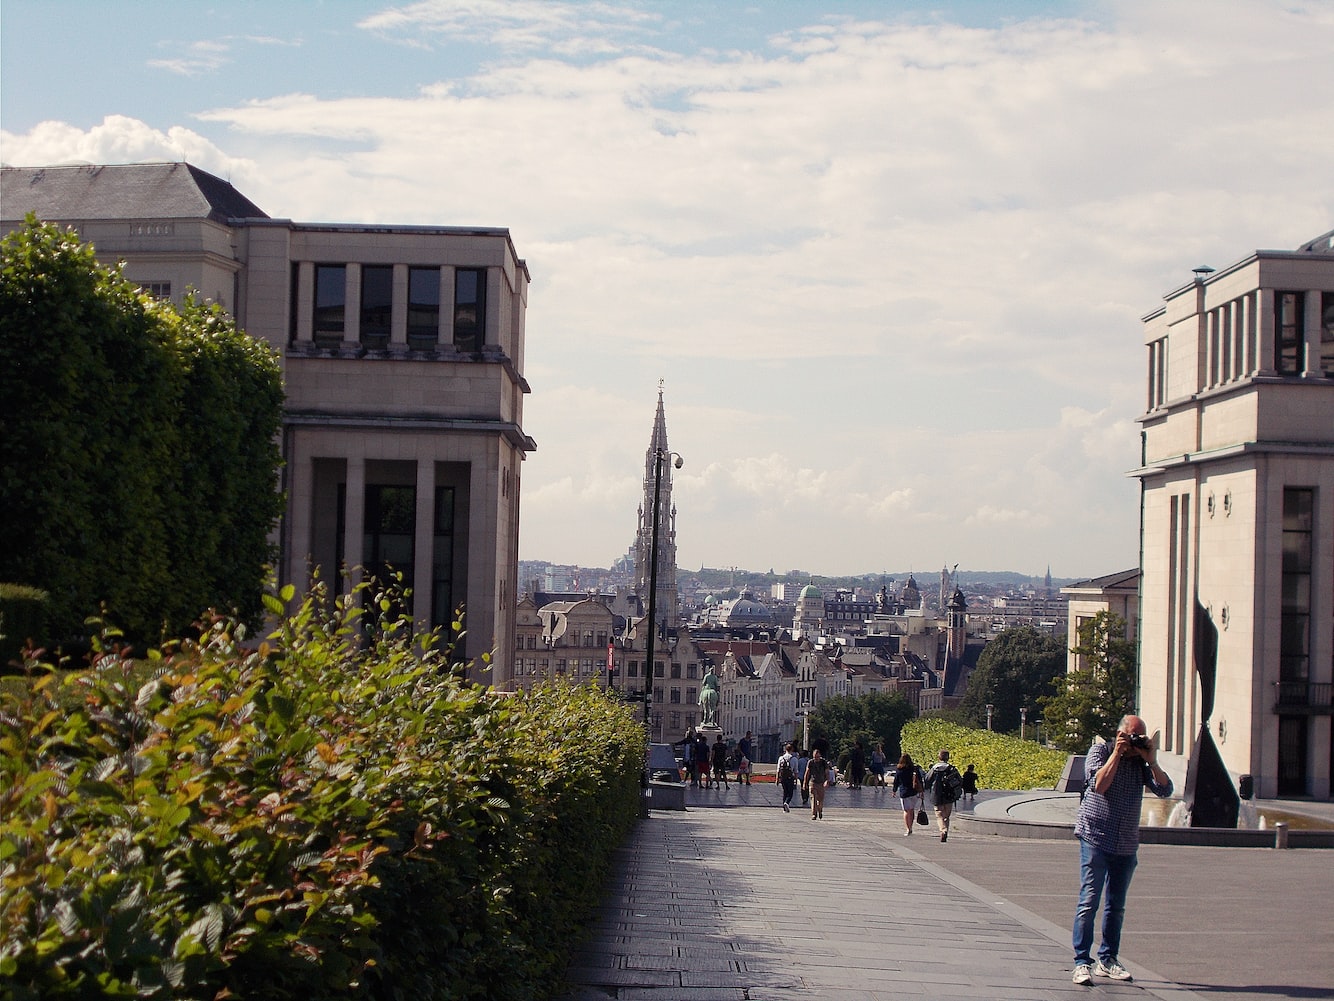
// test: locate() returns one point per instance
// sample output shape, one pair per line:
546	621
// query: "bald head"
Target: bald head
1132	724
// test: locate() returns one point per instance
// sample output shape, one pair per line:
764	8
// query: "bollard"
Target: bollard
1281	834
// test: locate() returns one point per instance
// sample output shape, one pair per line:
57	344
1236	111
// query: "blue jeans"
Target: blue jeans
1097	870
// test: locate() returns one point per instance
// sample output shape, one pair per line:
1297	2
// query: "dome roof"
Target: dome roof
811	591
710	600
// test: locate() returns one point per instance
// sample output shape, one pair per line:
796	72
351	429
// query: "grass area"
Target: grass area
1002	761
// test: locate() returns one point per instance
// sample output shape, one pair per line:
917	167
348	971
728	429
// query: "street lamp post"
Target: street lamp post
1023	720
990	707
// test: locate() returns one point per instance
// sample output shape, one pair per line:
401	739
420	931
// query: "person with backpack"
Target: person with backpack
907	787
817	778
787	775
944	786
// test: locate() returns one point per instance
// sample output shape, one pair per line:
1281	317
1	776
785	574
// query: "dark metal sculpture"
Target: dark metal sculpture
1209	795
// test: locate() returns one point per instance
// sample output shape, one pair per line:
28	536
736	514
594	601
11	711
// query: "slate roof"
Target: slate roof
1122	579
122	191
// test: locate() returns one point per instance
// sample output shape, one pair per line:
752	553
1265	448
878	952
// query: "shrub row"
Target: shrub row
335	814
1003	762
22	617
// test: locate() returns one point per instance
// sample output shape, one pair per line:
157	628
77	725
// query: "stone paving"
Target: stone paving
734	900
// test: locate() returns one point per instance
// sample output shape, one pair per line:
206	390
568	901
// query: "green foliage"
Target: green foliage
1015	669
1091	701
138	468
334	813
870	718
1003	762
22	618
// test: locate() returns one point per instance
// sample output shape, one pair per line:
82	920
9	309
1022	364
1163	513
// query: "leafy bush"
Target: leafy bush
139	462
1003	762
22	617
335	813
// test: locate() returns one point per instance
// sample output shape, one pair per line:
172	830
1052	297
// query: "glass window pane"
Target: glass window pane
330	298
423	307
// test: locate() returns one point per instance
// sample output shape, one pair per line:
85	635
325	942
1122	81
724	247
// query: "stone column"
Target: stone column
398	317
1264	333
305	301
354	517
352	304
423	545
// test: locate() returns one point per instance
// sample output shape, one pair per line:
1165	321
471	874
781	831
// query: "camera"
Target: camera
1139	741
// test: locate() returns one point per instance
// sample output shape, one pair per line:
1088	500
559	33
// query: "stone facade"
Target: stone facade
1238	515
402	350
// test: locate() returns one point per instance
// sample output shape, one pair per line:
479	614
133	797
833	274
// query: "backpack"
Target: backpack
950	784
785	773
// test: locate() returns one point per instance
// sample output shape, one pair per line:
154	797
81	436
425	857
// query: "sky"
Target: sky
888	261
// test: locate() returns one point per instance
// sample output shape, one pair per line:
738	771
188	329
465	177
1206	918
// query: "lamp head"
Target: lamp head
678	462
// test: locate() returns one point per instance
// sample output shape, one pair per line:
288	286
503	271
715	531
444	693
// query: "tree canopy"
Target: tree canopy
870	718
138	469
1093	699
1015	669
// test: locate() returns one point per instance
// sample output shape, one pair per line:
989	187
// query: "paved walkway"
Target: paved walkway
735	900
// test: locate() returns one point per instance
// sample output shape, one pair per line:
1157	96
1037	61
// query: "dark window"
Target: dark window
377	304
158	290
676	669
676	696
1289	308
658	669
442	560
632	669
423	308
1295	630
330	298
391	515
469	308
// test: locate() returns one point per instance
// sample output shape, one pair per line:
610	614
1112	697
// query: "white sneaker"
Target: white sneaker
786	808
1112	969
1082	974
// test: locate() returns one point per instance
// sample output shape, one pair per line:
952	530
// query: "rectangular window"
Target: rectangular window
423	308
560	665
330	299
377	304
658	669
469	308
657	695
158	290
691	696
1295	631
390	523
676	669
676	696
1289	331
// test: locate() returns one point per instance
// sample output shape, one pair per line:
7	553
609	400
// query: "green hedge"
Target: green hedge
22	618
1003	762
334	813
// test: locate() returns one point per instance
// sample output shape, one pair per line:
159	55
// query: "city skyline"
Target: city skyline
890	262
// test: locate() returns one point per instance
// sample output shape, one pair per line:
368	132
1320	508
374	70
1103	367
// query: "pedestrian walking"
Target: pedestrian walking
944	786
970	784
747	756
803	761
1107	827
688	759
908	788
787	775
878	763
719	755
857	765
817	778
702	759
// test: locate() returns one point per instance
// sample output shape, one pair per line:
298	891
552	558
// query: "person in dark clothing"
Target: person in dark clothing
720	762
747	755
970	783
702	759
787	775
857	765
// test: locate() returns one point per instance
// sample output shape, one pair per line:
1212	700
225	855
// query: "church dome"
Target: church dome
811	591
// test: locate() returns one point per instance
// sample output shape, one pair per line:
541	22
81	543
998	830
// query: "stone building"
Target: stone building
1238	516
402	351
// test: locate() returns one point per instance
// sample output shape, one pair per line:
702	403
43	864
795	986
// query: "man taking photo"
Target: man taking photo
1108	832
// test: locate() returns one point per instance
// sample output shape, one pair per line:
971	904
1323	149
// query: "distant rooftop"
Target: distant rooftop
122	191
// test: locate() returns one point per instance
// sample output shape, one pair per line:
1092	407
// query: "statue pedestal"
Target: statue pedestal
710	730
